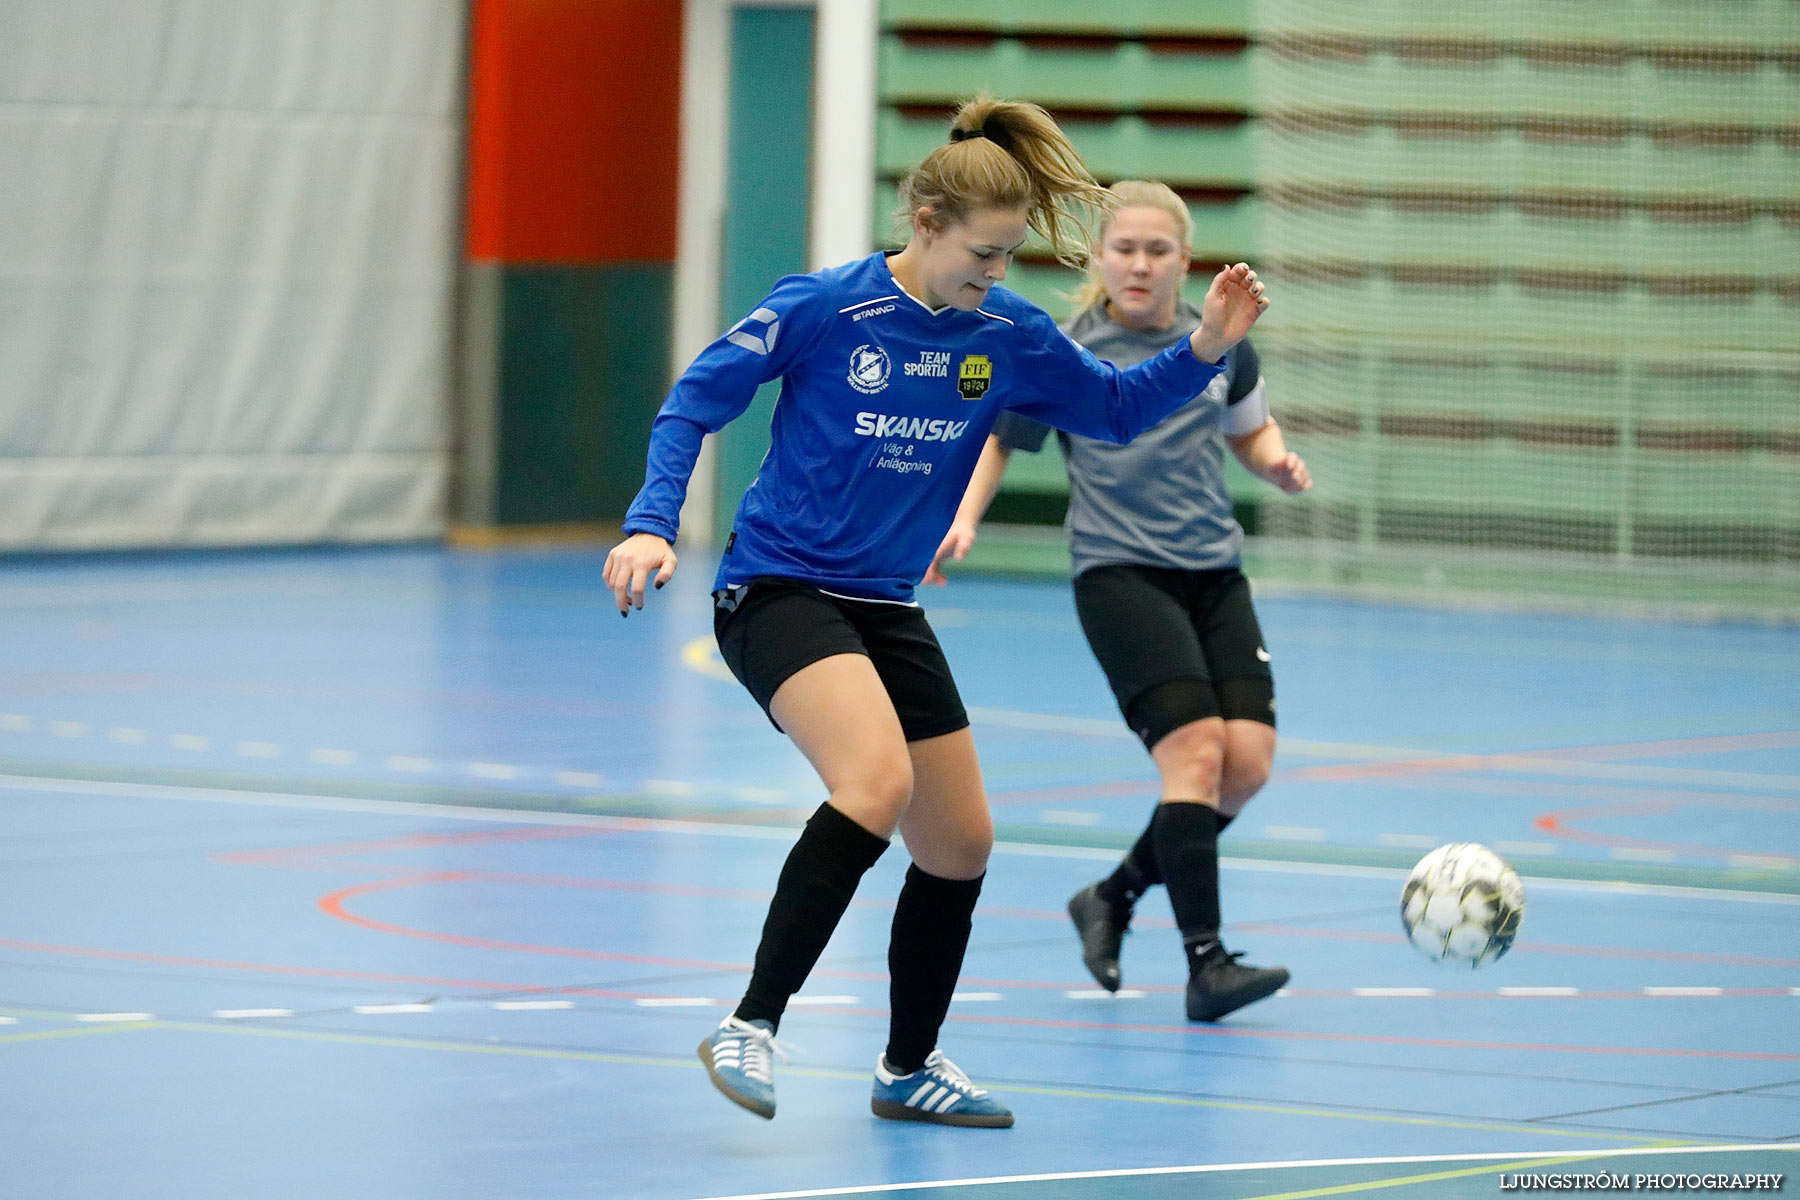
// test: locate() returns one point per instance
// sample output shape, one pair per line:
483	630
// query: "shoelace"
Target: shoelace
953	1075
759	1044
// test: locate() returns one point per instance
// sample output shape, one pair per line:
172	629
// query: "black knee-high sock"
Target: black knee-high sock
816	883
931	933
1136	873
1187	848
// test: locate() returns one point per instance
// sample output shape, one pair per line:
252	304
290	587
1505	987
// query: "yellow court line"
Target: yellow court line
1369	1185
1574	1156
40	1035
1288	1111
827	1073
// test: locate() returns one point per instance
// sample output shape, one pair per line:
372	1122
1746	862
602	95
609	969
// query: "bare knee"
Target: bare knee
958	853
1249	757
1191	760
1238	782
877	792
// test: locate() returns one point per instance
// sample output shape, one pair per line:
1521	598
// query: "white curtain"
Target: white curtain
227	253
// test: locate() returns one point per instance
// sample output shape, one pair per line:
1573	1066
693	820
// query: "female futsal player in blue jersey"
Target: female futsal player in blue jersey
893	370
1159	593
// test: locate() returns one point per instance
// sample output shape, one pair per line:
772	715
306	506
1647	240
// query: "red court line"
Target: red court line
1608	794
1553	824
334	905
1145	788
481	837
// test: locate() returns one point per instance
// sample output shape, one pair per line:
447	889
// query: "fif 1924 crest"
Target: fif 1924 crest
973	376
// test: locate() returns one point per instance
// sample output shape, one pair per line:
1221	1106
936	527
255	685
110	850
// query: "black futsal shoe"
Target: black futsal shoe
1102	928
1219	984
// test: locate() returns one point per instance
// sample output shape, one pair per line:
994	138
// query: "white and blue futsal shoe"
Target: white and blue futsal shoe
739	1059
937	1092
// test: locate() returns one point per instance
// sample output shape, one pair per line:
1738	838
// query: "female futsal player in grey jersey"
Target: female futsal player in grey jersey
1160	594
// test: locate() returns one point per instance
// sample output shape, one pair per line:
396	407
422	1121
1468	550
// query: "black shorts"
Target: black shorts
1176	646
775	627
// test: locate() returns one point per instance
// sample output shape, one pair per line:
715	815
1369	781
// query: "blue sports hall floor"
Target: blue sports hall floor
419	873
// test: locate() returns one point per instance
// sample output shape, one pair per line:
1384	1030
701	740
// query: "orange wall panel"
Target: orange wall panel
574	131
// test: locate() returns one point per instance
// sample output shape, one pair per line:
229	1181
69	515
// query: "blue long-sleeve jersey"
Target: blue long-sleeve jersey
884	408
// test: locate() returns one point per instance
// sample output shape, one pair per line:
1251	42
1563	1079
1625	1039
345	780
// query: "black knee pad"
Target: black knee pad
1161	710
1249	698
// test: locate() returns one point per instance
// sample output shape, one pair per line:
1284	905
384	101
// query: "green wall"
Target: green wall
768	161
583	367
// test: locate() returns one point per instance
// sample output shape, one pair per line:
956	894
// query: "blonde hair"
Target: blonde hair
1008	154
1134	193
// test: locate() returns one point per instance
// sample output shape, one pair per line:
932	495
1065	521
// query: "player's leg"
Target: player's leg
802	660
1242	736
949	834
1136	623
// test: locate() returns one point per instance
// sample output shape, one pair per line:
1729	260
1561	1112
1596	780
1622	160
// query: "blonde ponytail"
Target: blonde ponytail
1008	154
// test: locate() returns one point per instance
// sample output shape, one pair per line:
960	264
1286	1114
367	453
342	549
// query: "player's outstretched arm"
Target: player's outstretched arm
632	564
1230	308
976	498
1264	454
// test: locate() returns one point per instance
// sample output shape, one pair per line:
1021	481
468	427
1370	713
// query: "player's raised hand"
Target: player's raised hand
1230	308
632	564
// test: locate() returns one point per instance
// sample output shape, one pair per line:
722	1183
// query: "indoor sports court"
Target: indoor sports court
418	872
351	846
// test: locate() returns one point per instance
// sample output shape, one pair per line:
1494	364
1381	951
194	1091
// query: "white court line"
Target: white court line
774	833
532	1005
1291	1164
376	1010
113	1017
251	1014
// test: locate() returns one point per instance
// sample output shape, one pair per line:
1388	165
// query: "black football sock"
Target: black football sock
1187	847
815	886
1136	874
931	933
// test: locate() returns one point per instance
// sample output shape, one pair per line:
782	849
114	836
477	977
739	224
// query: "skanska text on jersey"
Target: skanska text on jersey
919	429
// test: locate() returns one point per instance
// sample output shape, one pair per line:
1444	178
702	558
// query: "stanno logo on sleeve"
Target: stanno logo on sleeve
756	332
973	376
869	369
